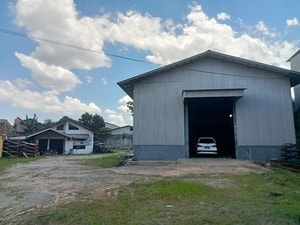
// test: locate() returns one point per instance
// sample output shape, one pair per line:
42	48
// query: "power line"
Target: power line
18	34
22	35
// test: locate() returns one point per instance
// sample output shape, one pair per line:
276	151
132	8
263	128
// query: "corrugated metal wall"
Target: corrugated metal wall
263	116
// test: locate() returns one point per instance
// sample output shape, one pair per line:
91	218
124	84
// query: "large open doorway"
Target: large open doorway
211	117
57	146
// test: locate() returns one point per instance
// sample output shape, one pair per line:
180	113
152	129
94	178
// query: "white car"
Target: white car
207	145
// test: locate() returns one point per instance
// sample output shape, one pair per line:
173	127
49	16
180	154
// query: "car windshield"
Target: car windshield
206	140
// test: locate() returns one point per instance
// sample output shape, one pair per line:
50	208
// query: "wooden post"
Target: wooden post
1	146
36	148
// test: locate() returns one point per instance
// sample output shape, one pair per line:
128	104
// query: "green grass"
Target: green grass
7	162
247	200
103	162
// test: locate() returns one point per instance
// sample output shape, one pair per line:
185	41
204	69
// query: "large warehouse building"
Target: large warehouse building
245	105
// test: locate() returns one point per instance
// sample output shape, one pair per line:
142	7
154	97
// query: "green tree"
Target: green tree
96	123
48	123
31	125
130	107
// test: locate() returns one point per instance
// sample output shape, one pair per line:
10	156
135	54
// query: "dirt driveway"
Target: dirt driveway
51	181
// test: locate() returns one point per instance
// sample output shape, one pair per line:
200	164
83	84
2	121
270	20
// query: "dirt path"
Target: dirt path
57	180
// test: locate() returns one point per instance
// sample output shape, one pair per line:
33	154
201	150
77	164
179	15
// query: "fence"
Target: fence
19	148
290	154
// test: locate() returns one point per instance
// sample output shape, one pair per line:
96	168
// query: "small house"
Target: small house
65	137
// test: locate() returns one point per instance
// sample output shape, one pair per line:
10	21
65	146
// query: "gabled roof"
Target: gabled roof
296	53
128	84
119	128
60	122
65	118
71	136
4	121
111	125
47	130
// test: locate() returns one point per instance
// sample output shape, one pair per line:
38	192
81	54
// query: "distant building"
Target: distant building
65	137
6	129
110	125
19	128
121	137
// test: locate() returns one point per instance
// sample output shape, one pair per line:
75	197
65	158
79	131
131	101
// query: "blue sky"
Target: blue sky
56	56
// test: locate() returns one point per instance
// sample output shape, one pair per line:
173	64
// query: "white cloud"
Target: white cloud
88	79
122	118
262	28
126	113
151	34
223	16
47	101
59	22
123	108
23	83
163	41
292	22
166	41
124	99
104	81
49	76
115	118
109	111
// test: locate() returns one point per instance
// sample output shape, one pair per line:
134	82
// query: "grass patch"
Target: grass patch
103	162
7	162
175	201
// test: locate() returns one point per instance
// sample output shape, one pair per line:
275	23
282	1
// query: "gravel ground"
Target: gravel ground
25	188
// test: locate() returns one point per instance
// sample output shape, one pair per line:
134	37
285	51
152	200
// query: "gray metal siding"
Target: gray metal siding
263	116
158	114
295	62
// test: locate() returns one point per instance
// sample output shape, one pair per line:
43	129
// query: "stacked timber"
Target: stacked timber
19	148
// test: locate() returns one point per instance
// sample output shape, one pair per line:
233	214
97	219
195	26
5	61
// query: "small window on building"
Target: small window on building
79	144
60	127
131	128
71	127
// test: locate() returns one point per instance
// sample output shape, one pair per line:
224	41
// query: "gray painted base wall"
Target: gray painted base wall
174	152
158	152
258	153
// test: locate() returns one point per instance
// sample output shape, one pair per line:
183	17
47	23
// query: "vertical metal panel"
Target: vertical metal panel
264	116
295	62
158	114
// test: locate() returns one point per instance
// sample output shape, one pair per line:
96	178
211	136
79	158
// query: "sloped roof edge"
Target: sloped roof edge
46	130
119	128
66	118
127	85
296	53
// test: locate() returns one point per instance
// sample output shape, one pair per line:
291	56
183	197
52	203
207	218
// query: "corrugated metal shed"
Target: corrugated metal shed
176	103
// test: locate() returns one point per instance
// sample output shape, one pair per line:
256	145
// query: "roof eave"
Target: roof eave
296	53
128	84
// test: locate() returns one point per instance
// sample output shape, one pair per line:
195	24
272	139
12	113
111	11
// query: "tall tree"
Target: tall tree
31	125
48	123
96	123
